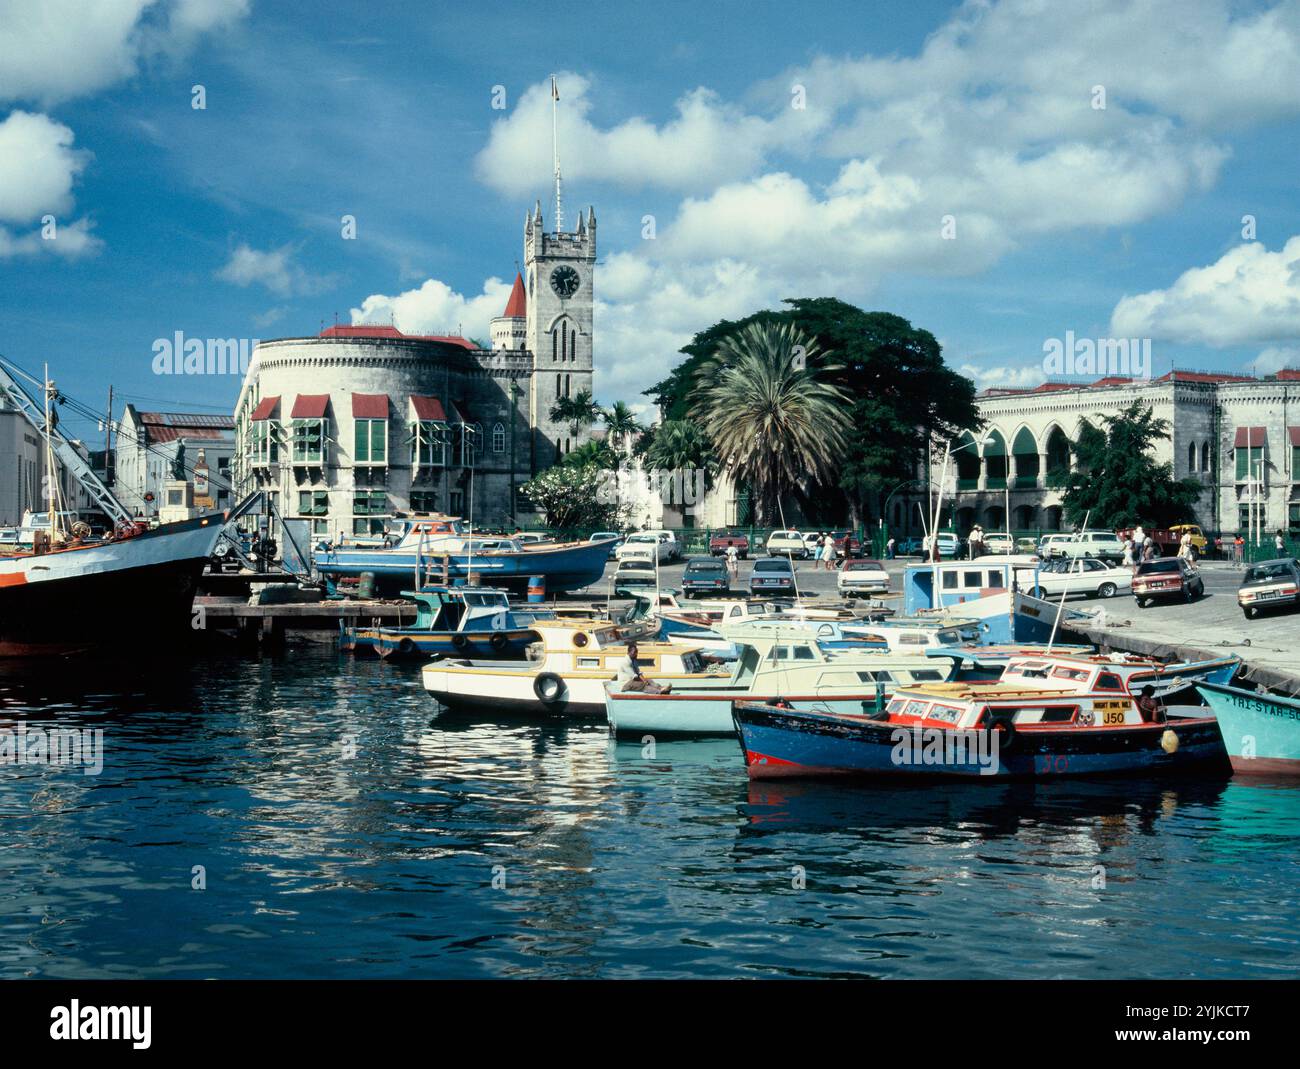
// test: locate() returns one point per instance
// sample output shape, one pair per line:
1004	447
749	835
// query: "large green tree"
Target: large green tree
1117	481
769	412
899	392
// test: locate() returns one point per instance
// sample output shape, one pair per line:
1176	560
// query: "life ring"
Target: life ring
580	639
459	641
548	687
1008	729
498	641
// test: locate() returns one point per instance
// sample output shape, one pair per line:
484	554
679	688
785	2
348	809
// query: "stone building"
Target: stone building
146	447
357	424
22	472
1224	428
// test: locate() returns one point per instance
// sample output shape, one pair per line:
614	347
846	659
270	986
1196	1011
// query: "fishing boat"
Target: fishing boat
771	661
442	548
567	676
974	730
68	593
474	621
1261	732
1073	666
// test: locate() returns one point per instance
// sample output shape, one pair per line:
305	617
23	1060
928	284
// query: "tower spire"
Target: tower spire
555	149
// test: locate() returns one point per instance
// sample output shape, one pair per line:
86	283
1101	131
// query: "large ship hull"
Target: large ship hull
1260	731
137	589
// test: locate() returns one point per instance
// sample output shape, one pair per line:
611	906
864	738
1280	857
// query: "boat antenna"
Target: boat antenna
52	488
1060	605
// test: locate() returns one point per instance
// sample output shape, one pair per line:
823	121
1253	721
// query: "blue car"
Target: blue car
772	575
705	575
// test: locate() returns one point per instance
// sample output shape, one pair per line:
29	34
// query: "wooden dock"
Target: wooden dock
268	625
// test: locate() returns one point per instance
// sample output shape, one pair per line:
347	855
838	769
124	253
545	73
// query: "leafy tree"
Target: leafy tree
579	411
621	425
898	391
1118	482
577	496
768	413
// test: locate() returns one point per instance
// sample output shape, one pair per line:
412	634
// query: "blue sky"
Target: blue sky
225	222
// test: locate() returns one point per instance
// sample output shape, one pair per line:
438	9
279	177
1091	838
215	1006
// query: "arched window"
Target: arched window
498	438
1205	456
554	342
1191	456
559	385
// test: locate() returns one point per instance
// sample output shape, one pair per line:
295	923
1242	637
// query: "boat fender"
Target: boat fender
1008	729
497	641
548	687
459	641
1169	741
580	639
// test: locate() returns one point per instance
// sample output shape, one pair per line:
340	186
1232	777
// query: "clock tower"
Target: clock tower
559	272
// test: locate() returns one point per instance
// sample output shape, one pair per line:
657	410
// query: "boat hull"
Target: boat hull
695	714
1261	732
513	692
799	743
92	596
565	568
398	645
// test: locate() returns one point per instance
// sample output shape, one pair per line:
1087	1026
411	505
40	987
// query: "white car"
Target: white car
787	544
1001	543
1087	576
1104	544
861	578
670	540
645	545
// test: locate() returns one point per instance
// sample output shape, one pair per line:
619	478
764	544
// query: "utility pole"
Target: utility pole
108	440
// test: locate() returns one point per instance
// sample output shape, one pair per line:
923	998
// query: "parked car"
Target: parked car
1169	539
772	575
949	545
675	551
533	538
862	578
847	544
1167	577
1105	545
705	575
721	540
1269	584
1087	576
910	547
787	544
999	543
600	536
645	545
634	574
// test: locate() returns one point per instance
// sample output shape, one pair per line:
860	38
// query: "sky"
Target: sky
997	173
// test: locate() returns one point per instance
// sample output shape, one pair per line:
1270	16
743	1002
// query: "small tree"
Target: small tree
1117	481
578	411
577	496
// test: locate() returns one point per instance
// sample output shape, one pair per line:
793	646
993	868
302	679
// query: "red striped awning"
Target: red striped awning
310	406
266	407
370	406
428	408
1294	434
1249	438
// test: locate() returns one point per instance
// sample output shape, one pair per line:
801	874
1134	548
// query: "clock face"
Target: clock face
565	281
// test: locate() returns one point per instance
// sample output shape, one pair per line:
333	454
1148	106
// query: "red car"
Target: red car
719	542
1167	577
847	544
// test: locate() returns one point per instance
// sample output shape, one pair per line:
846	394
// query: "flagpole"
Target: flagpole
555	151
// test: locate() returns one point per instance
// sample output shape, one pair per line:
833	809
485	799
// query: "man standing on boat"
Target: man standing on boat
1149	708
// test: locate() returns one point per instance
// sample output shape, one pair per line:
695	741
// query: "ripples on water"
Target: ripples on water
615	863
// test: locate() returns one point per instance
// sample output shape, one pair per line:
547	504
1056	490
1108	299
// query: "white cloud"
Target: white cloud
275	269
38	166
71	241
56	50
1275	358
1249	295
1024	377
435	308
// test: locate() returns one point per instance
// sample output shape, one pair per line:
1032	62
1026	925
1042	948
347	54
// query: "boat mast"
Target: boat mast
51	482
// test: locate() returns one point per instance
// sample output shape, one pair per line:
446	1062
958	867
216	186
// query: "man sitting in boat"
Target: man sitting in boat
1150	709
630	677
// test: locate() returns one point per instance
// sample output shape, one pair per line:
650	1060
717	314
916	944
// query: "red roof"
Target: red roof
517	306
428	408
1289	374
1113	380
1249	438
370	406
1048	387
1203	376
310	406
170	434
366	330
266	407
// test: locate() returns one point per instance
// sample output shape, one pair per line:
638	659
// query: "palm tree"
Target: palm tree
579	411
679	445
768	414
593	452
621	424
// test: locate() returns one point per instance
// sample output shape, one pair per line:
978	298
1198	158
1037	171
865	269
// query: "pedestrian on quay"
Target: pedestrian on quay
1148	548
1238	549
828	551
1278	544
733	557
889	550
1185	546
1128	553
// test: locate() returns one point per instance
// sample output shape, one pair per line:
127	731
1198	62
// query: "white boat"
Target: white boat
773	662
576	659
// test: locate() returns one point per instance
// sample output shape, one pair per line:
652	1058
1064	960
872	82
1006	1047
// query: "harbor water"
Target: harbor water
312	815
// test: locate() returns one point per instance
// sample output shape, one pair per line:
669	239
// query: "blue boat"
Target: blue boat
1261	732
464	621
442	549
980	731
